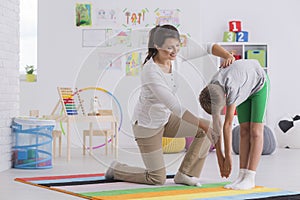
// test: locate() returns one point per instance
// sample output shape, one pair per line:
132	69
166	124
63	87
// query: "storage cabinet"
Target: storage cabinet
245	50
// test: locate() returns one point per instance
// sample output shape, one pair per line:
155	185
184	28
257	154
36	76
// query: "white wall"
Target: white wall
61	57
63	62
9	76
271	22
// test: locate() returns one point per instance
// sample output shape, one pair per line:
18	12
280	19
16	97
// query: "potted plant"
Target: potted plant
30	77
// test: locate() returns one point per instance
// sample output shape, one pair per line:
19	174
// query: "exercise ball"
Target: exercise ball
269	141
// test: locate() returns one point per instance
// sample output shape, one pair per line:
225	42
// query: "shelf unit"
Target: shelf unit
241	48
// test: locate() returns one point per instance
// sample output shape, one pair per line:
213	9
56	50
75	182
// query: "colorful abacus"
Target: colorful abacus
66	95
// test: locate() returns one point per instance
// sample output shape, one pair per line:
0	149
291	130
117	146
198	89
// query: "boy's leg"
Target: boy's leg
256	141
151	152
256	147
244	145
258	108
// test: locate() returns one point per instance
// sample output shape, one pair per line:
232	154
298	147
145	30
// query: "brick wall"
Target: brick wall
9	76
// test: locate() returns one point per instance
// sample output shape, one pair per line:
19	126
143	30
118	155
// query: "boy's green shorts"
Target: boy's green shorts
254	108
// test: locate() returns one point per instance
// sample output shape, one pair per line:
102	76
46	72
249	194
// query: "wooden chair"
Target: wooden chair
106	133
103	132
56	134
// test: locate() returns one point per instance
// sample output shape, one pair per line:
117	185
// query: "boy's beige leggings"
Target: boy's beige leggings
149	142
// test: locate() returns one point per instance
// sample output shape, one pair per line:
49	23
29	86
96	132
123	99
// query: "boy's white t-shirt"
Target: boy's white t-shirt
240	80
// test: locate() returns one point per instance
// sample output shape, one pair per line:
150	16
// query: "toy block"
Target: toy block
22	154
235	26
229	37
45	163
32	153
237	57
242	36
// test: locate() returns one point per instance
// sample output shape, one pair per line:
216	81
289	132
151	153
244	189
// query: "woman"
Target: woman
158	113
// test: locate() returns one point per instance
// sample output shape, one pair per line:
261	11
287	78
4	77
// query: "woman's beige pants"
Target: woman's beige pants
149	142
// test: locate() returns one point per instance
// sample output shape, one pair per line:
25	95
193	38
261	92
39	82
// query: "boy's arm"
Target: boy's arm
217	129
227	132
220	156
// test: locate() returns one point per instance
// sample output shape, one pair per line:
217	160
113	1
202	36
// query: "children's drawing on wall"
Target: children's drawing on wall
106	38
142	36
96	37
183	40
136	18
109	35
110	61
106	17
167	16
120	38
124	38
133	63
83	14
116	62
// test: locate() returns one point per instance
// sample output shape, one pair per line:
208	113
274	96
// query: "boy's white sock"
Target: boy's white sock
247	183
181	178
240	177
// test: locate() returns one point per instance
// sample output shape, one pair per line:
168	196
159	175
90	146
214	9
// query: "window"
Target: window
28	34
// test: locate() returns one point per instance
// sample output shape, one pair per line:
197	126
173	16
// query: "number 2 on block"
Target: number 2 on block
240	37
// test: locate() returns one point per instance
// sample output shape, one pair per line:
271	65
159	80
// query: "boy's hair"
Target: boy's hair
212	99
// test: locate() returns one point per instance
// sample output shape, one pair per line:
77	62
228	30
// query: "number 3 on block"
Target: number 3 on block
229	37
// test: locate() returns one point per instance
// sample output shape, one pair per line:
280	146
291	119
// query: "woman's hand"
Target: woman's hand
227	61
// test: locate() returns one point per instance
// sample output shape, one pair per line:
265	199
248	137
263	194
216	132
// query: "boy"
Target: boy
242	86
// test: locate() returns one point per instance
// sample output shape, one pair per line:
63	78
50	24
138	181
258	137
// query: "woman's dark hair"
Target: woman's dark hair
158	35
